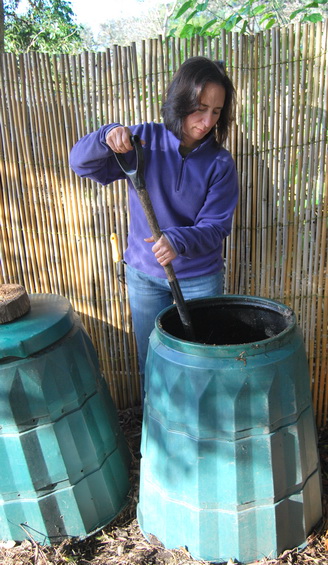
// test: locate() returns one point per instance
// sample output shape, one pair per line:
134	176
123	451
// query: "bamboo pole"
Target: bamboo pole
29	226
62	204
130	79
149	71
51	178
11	269
299	193
57	160
271	187
231	242
243	162
260	186
77	291
318	366
161	73
322	363
294	110
238	158
249	151
281	162
15	208
143	80
313	214
255	152
285	206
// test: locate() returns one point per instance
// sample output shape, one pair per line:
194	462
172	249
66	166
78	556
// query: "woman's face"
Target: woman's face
197	125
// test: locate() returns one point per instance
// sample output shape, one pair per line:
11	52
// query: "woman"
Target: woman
192	183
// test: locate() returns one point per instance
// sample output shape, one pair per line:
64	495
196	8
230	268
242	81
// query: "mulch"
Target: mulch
122	543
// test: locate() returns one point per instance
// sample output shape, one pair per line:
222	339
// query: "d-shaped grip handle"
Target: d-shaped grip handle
136	175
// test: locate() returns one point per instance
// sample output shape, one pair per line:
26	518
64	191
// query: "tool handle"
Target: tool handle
138	180
182	308
136	175
115	250
154	227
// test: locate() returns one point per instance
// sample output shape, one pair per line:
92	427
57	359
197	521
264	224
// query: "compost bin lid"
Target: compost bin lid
50	317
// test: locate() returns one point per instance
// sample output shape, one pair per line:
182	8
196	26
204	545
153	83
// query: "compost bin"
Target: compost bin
64	461
230	466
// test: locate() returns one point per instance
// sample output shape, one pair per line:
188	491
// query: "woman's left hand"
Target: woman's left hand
162	249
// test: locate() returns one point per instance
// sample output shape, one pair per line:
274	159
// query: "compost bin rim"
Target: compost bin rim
249	348
50	317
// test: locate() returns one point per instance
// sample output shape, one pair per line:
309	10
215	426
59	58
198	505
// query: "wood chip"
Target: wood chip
14	302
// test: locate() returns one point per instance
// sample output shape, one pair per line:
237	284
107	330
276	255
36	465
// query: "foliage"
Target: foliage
122	31
47	26
197	17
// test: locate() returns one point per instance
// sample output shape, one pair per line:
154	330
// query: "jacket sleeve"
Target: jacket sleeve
91	157
213	221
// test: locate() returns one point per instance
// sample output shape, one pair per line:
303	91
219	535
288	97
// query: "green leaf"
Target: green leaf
267	17
246	9
190	17
208	25
188	31
184	8
259	9
311	5
202	7
314	18
295	13
231	22
270	23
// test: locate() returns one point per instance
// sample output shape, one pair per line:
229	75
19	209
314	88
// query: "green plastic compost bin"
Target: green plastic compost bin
64	460
229	466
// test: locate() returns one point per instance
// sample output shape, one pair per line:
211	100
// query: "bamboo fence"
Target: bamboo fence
55	227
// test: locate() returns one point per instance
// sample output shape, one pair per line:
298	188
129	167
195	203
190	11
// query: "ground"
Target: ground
121	543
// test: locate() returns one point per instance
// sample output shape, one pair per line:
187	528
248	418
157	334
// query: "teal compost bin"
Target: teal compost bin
229	464
64	461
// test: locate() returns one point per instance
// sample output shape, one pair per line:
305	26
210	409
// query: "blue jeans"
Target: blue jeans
150	295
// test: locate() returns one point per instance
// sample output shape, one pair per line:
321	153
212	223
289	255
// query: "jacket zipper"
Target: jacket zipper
178	185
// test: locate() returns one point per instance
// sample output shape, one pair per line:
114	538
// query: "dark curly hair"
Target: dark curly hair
183	95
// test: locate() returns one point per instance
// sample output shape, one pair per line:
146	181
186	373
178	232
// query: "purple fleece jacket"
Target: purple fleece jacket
194	197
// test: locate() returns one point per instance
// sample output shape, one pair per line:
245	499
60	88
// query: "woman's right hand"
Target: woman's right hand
119	139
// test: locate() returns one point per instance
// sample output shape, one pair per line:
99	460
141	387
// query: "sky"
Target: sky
94	12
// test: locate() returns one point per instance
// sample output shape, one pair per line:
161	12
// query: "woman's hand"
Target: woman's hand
119	139
163	250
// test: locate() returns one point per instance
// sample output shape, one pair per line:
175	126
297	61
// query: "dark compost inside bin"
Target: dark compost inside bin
221	321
